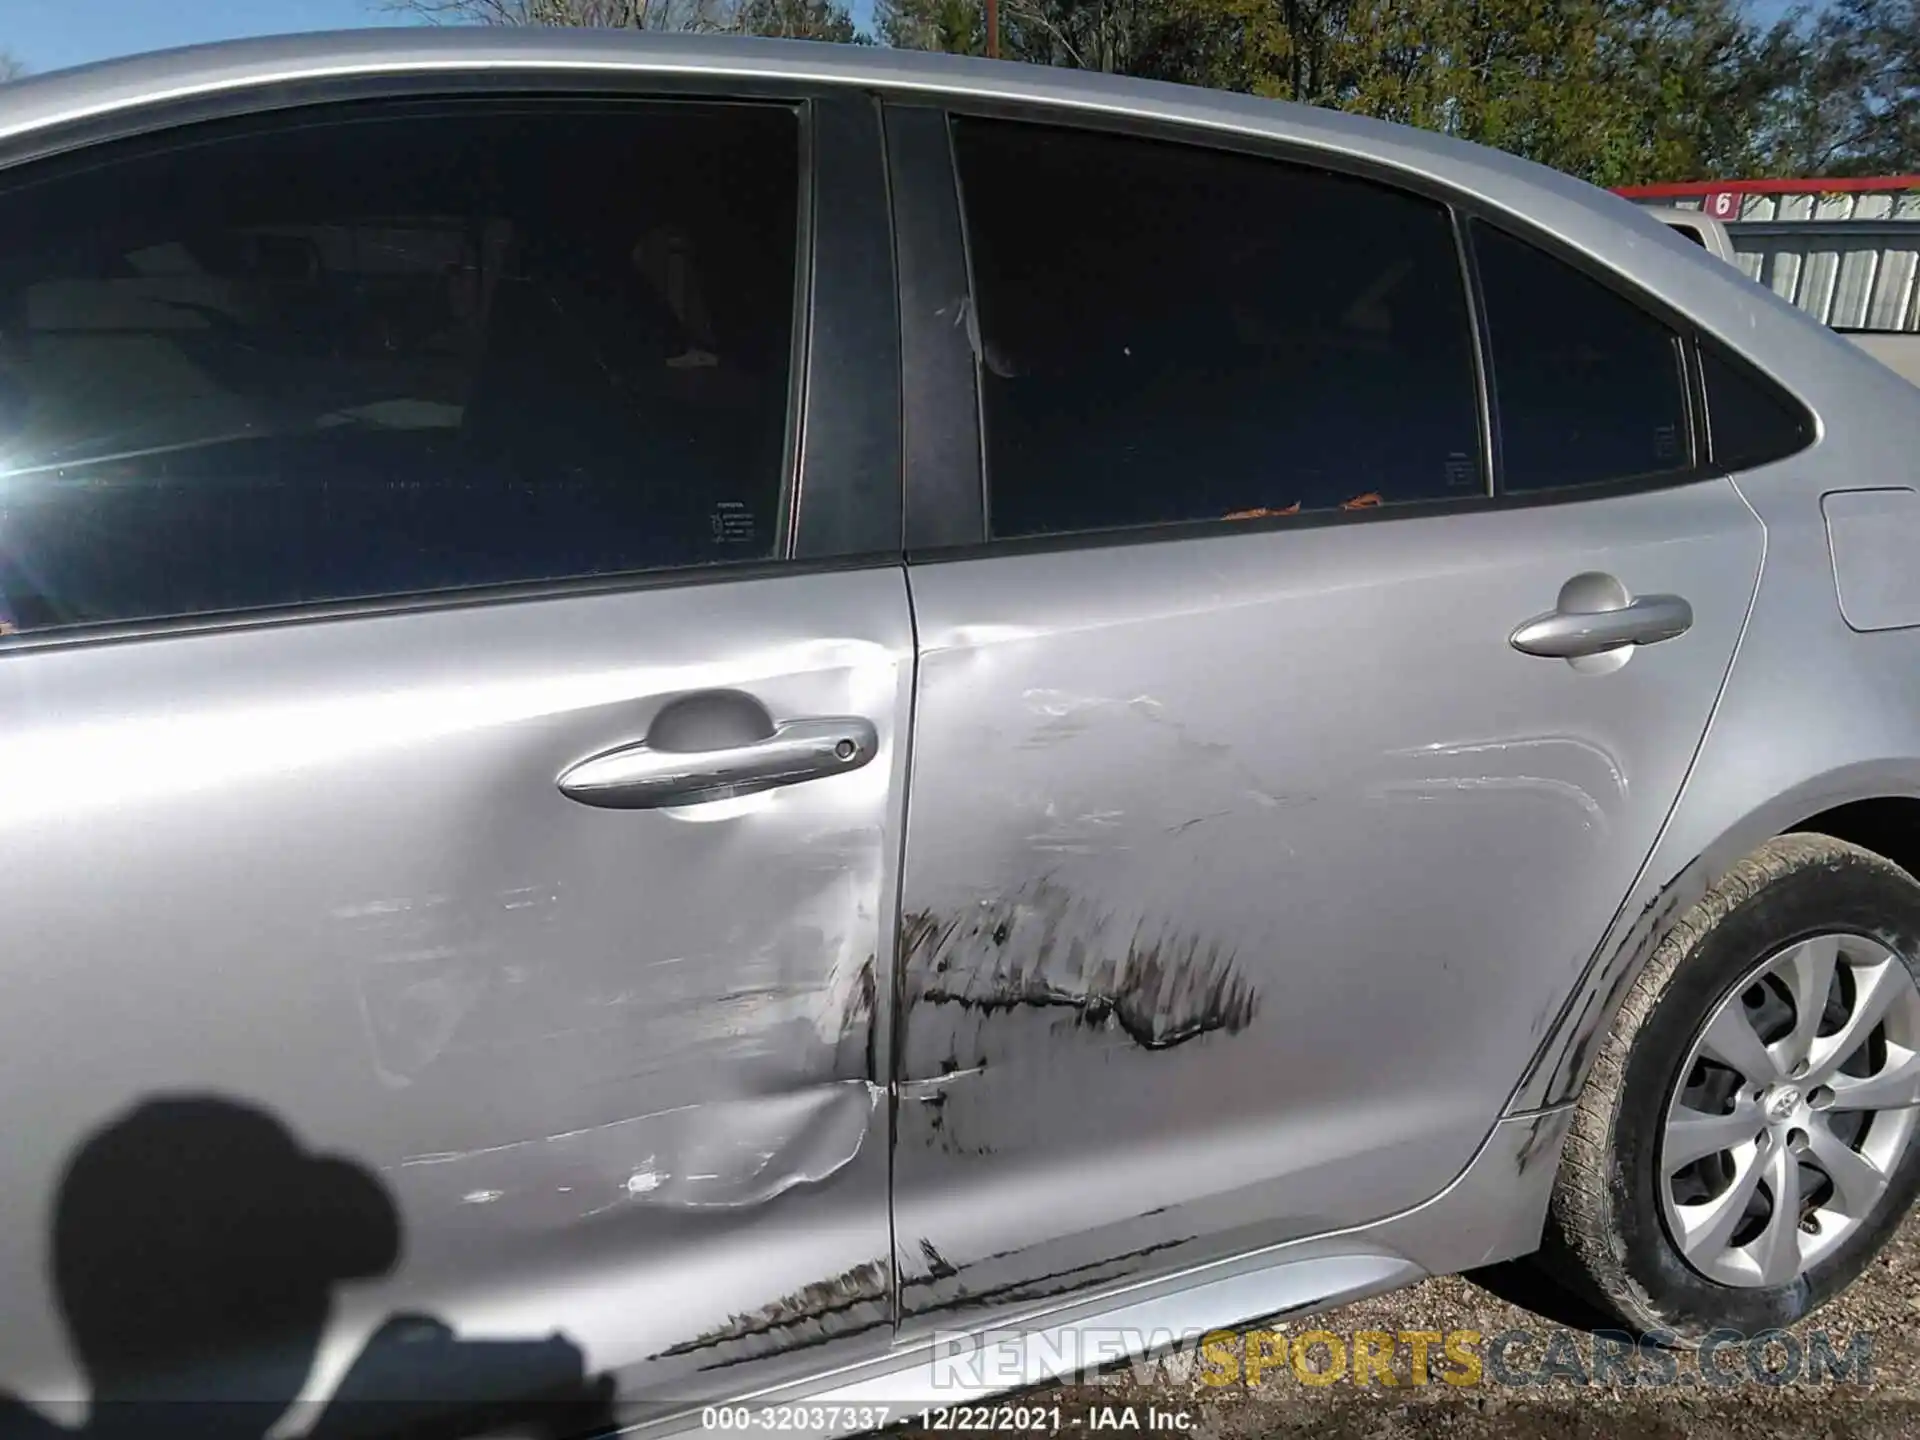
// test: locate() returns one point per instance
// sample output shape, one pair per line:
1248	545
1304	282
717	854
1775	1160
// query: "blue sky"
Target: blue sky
52	34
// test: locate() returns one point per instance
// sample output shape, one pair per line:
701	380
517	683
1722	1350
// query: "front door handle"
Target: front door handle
1571	634
642	777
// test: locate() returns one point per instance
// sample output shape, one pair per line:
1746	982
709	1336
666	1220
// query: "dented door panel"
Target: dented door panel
622	1071
1244	873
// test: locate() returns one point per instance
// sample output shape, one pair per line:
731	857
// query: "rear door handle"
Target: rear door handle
1565	634
641	777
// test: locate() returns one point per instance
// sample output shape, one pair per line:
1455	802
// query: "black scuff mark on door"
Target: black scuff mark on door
849	1303
933	1108
869	991
810	1342
1583	1025
933	1111
948	1296
923	937
1046	947
858	1020
937	1266
928	1099
1186	825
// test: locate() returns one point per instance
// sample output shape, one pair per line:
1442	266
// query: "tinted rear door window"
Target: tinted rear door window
1751	421
1172	333
1587	386
410	350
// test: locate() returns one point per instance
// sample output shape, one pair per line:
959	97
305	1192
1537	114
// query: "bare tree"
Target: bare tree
800	19
10	67
608	14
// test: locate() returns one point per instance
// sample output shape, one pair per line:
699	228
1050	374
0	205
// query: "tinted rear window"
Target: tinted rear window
1587	386
1750	420
1172	333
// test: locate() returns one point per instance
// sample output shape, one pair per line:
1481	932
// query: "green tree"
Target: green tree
1697	75
1612	90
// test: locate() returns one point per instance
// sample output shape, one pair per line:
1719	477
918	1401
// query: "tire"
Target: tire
1609	1251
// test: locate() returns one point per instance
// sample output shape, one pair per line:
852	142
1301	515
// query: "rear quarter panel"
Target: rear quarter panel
1815	713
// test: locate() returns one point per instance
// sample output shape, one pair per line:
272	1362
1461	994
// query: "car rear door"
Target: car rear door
452	722
1282	744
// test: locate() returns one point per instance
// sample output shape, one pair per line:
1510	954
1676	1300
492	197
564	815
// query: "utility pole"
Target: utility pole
993	29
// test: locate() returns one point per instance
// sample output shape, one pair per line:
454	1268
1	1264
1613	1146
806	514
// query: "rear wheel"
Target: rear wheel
1744	1144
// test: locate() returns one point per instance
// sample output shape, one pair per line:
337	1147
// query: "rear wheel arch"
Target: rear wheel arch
1888	825
1607	1254
1882	818
1875	805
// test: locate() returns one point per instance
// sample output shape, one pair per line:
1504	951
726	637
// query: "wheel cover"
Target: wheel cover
1794	1106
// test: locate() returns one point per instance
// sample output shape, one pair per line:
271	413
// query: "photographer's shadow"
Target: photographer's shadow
195	1249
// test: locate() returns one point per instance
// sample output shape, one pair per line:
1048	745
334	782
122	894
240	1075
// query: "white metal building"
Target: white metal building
1848	251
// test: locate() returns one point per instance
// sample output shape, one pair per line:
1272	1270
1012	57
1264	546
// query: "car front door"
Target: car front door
1250	848
434	738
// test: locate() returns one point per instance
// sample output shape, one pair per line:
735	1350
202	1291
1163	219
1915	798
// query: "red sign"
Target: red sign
1684	188
1721	205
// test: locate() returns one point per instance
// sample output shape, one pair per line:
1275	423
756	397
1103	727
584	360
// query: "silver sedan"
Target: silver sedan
689	726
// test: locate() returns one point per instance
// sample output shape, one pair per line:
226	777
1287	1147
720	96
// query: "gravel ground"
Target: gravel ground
1881	1404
